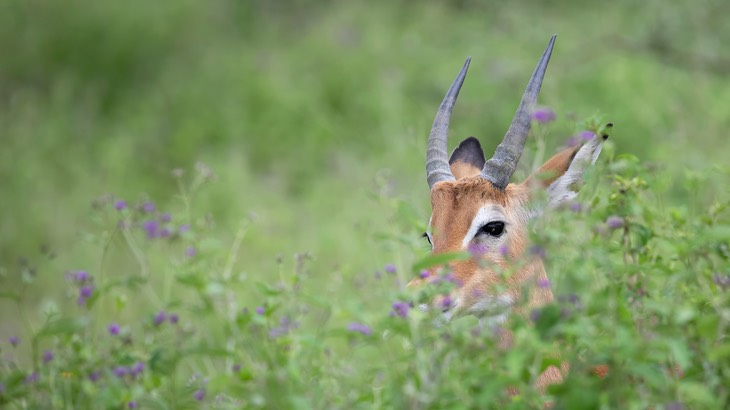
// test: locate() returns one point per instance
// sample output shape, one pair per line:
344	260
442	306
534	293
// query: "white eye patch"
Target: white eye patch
485	214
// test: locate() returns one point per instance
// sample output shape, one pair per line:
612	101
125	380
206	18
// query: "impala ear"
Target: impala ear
562	174
467	160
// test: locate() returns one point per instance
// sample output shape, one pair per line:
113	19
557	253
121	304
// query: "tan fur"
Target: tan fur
455	204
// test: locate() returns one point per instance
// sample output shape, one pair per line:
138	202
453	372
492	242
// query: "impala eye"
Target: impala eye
495	228
428	238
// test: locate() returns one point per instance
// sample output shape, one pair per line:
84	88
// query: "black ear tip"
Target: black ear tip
470	141
605	136
609	125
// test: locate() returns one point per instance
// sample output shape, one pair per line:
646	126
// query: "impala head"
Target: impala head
476	208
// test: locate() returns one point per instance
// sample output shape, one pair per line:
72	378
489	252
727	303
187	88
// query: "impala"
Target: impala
474	206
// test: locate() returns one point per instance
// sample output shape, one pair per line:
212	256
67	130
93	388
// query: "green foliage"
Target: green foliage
278	281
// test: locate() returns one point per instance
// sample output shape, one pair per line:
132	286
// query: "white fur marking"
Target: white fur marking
485	214
560	190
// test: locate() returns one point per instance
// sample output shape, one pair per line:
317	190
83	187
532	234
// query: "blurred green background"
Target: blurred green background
310	113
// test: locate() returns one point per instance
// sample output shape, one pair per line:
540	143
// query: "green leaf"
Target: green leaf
439	259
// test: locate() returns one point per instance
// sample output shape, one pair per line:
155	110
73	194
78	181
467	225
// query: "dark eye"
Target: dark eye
495	228
425	235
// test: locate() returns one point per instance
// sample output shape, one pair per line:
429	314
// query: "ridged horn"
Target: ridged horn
437	159
499	169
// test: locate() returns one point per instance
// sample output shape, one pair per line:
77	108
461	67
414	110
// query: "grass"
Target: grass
312	122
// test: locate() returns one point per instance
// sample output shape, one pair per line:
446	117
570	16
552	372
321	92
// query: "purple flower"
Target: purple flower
191	251
614	222
47	356
81	276
260	310
165	232
174	318
120	205
184	228
137	369
151	227
160	317
359	328
424	274
132	404
120	371
535	315
445	302
32	378
504	250
543	283
401	308
477	249
86	291
166	217
390	268
199	394
14	340
543	115
114	329
576	207
148	207
538	251
586	135
94	376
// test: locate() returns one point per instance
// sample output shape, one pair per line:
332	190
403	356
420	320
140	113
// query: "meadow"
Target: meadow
219	204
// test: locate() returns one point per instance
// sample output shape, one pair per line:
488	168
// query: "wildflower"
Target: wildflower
114	329
174	318
184	228
120	205
538	251
148	207
543	115
576	207
191	251
586	135
94	376
424	274
151	227
14	340
166	217
504	250
445	302
81	276
401	308
614	222
32	378
535	315
47	356
260	310
359	328
120	371
199	394
477	250
132	404
85	292
543	283
390	268
160	317
165	232
137	369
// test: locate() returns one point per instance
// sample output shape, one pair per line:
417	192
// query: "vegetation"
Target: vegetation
218	204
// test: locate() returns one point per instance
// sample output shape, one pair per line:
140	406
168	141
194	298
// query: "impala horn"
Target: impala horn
499	169
437	160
